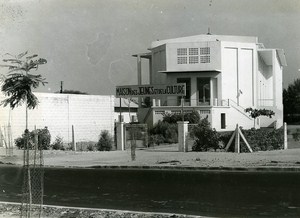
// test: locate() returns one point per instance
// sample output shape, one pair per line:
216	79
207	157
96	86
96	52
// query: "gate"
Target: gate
136	135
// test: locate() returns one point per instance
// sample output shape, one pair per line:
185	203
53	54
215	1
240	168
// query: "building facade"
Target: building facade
224	75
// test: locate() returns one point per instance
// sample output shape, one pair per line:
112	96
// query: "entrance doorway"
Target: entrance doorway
187	97
203	87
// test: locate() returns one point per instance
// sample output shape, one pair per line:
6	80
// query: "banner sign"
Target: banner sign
178	89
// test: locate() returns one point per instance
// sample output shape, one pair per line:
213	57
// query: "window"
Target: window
205	51
181	51
193	60
192	55
204	59
193	51
181	60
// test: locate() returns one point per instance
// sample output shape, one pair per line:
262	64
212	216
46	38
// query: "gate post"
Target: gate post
182	133
285	141
120	136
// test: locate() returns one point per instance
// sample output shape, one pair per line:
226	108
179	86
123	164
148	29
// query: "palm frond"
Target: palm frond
13	61
18	83
10	55
22	55
30	57
15	69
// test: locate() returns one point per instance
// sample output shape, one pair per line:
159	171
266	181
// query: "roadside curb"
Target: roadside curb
187	168
64	210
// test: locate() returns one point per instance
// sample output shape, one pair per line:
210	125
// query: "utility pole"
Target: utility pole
61	86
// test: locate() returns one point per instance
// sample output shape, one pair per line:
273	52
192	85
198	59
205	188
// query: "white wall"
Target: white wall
246	97
214	55
233	117
158	64
238	73
229	73
88	113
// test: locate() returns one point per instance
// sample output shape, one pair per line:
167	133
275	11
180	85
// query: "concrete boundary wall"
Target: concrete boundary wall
89	114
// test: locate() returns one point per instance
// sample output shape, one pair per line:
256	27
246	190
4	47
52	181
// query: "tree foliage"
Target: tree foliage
17	85
75	92
291	98
44	138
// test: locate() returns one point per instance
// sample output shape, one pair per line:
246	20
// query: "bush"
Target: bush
105	142
206	138
90	147
296	135
58	144
156	139
258	139
166	131
192	117
44	138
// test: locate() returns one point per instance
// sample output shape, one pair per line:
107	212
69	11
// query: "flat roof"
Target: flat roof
205	37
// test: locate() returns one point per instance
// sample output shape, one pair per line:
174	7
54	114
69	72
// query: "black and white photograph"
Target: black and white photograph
149	108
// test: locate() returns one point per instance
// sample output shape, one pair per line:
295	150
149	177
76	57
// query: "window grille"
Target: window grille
181	60
205	51
193	51
193	59
181	51
204	59
193	56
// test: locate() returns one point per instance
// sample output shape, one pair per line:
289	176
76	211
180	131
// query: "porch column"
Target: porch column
211	92
182	136
120	136
194	92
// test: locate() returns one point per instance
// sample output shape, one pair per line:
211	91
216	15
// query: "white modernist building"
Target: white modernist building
223	74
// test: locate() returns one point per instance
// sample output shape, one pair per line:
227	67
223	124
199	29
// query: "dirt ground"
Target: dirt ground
164	156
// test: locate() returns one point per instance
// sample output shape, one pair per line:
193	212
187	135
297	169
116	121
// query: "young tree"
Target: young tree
254	113
17	86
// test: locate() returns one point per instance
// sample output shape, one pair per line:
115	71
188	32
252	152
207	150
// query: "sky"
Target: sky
89	43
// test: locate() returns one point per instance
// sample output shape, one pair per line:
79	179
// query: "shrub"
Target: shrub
192	117
44	138
156	139
258	139
166	131
58	144
296	135
90	147
206	138
105	142
264	139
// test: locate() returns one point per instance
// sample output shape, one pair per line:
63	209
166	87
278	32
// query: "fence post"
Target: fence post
285	143
120	136
182	133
